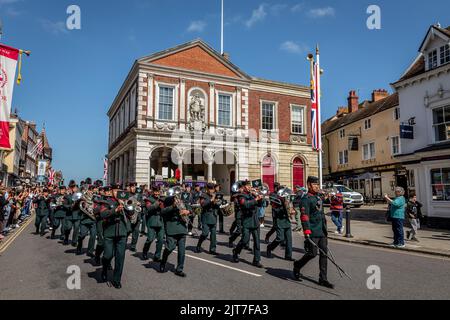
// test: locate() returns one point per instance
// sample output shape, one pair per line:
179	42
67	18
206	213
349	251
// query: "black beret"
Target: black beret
312	179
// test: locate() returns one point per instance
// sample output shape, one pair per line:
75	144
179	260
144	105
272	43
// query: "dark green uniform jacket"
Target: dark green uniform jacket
43	206
313	217
249	209
175	224
281	214
115	224
62	211
209	212
75	213
153	213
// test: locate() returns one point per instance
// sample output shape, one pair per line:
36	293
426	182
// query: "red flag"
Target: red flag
8	65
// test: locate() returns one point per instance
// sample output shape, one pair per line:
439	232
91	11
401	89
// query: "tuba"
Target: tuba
87	205
133	207
176	193
287	195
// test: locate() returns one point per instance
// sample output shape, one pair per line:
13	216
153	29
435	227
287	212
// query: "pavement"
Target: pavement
369	227
34	267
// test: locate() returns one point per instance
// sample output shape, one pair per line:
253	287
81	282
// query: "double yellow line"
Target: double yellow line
9	241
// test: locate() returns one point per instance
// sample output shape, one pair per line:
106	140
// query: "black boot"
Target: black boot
79	250
235	256
297	274
162	265
98	253
269	253
53	237
105	270
198	249
326	284
66	239
145	251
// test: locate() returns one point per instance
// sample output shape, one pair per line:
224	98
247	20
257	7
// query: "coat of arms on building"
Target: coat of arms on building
197	114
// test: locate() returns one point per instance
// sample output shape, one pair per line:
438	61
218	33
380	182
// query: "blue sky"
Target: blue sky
72	77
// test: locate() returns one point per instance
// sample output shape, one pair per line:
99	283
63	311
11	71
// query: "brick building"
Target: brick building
190	110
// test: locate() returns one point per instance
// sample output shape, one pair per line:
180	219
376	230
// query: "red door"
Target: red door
269	172
298	173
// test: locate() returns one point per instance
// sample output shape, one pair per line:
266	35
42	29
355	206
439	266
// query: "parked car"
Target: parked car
351	198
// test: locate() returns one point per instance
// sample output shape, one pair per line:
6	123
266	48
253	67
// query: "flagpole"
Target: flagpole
221	31
319	115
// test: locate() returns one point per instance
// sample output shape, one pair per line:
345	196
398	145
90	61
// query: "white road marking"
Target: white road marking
224	266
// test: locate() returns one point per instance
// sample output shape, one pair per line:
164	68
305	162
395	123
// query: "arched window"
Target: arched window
269	171
298	172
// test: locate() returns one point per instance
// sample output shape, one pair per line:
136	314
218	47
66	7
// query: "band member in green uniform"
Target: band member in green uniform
250	224
87	226
155	225
42	206
315	230
62	205
209	219
135	225
276	187
73	218
236	227
283	227
116	228
176	230
195	198
140	194
217	190
187	197
105	193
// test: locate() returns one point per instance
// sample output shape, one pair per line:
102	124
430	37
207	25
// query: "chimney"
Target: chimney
379	94
226	56
353	102
342	111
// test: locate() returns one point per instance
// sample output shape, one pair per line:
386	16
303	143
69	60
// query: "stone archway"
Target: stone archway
163	162
224	169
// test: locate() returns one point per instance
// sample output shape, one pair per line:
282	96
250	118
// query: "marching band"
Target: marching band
166	214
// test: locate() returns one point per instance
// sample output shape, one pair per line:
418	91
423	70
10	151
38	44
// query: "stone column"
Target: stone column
210	171
182	115
150	105
212	102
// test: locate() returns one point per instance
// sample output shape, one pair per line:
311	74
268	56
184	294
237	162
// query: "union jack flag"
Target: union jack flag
315	106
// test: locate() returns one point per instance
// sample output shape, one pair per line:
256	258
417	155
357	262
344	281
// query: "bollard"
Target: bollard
348	233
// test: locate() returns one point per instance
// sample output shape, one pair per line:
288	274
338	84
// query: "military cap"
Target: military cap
115	186
312	179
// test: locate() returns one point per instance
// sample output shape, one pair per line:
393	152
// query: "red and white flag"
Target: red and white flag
8	65
105	169
51	176
315	106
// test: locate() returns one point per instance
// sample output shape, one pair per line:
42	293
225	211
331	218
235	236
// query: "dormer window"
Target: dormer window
432	60
445	54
